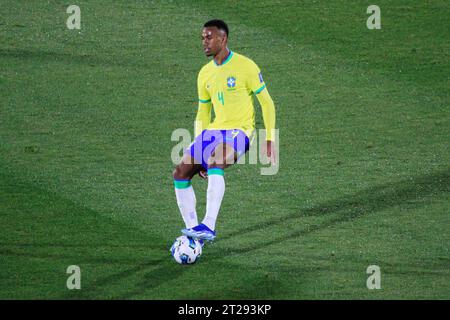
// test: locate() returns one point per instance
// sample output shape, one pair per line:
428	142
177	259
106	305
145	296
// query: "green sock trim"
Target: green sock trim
182	184
215	171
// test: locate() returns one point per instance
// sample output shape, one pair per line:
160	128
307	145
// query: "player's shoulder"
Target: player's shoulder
244	60
206	68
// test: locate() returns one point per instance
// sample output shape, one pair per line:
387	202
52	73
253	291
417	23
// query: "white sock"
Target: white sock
214	196
186	203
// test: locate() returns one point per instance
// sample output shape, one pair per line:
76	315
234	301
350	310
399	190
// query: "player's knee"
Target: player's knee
177	173
180	174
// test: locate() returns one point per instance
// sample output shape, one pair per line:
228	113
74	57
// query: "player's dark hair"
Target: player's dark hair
219	24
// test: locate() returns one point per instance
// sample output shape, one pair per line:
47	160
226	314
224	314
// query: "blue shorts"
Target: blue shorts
205	143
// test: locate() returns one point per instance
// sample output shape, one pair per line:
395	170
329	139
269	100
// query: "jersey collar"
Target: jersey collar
226	60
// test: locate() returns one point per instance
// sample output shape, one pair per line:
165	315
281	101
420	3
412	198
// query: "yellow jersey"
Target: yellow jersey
229	90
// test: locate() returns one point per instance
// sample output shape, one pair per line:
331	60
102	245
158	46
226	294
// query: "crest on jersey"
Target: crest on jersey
231	82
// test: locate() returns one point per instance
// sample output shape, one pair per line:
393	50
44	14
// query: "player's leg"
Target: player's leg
223	156
184	191
187	168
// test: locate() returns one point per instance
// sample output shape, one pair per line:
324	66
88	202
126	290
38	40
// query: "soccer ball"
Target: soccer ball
186	250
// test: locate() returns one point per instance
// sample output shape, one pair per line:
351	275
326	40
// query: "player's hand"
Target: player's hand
271	151
203	174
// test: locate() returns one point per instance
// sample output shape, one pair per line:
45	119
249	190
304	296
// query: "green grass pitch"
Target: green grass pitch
86	118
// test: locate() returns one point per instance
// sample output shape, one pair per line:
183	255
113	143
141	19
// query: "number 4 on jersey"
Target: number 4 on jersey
220	97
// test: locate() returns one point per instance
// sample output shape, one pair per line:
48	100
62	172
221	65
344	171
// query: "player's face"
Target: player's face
213	40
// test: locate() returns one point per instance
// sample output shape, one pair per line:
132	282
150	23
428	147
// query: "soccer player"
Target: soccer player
227	84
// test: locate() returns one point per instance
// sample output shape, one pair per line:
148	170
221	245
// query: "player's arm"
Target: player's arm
201	122
268	113
203	117
204	107
258	87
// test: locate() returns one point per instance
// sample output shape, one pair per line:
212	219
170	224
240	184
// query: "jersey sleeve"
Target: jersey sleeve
258	87
203	117
256	81
268	112
203	94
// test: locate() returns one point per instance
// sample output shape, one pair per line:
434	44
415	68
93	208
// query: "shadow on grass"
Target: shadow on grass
80	233
360	204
